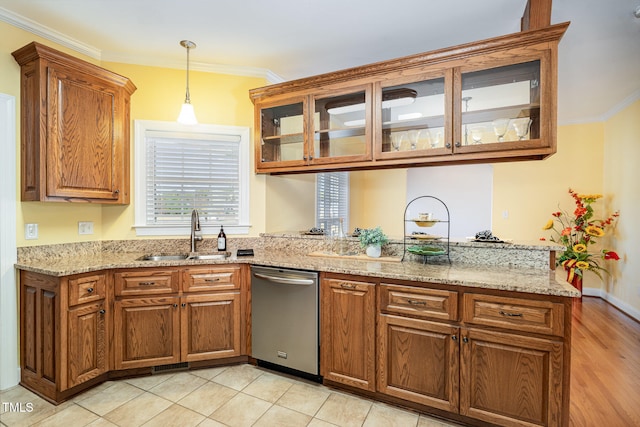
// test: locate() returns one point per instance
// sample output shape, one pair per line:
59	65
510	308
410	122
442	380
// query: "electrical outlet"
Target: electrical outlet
31	231
85	227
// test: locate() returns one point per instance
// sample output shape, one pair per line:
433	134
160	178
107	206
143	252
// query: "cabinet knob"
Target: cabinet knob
458	144
304	158
103	311
448	145
89	290
175	305
454	337
184	304
465	340
310	157
116	192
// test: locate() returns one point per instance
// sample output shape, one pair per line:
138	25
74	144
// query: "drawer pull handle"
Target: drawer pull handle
416	302
504	313
147	283
347	286
89	290
212	280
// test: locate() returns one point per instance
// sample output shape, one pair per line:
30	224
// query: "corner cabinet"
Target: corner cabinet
492	100
74	128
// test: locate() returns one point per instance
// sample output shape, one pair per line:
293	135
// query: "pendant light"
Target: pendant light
187	115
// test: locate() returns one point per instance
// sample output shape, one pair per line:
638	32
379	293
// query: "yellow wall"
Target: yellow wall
291	202
622	186
217	98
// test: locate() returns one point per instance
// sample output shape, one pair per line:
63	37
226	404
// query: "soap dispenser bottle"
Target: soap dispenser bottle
222	240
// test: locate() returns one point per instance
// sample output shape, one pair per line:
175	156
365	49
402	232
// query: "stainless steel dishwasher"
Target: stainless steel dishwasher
284	320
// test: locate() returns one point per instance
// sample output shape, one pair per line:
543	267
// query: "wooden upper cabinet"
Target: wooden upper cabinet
486	101
74	129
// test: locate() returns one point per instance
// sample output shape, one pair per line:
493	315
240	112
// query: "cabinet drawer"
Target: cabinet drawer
87	289
542	317
146	282
211	278
419	302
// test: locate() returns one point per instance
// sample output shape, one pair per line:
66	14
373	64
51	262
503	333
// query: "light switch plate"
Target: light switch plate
85	227
31	231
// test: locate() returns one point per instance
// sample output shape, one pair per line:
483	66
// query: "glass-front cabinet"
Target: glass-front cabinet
486	101
282	129
342	126
501	108
412	118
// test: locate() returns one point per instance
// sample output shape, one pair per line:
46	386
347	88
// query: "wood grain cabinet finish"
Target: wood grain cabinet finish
64	333
512	380
348	319
419	302
146	331
418	361
75	129
449	92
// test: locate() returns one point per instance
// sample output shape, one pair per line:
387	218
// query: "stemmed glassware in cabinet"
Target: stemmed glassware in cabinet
500	127
413	138
522	126
396	140
476	134
435	137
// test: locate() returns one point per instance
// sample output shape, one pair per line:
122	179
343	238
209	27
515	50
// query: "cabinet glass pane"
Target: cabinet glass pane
339	126
413	116
501	104
282	133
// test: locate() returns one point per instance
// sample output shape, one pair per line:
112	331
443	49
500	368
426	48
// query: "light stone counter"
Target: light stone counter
62	260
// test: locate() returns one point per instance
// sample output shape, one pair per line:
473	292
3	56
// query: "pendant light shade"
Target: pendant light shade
187	114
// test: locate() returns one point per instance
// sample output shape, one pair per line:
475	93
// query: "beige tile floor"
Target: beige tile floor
242	395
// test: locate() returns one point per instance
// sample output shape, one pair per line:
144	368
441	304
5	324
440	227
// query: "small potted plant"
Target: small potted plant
372	240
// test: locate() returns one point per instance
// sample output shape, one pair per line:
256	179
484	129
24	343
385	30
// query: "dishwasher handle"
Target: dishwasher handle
284	280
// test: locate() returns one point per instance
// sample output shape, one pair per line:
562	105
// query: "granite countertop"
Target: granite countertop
536	281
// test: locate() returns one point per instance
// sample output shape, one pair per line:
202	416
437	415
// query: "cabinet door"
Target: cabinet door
146	332
86	343
83	154
341	125
280	130
211	326
39	332
505	104
511	380
414	116
348	332
418	361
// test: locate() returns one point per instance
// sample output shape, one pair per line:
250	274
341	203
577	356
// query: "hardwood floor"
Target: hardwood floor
605	366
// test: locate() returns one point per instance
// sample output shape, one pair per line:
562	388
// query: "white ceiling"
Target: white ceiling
599	58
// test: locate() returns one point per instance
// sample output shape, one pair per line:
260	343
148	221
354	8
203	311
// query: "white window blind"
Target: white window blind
332	201
181	168
186	174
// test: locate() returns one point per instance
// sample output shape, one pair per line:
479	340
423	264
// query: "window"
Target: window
332	201
180	168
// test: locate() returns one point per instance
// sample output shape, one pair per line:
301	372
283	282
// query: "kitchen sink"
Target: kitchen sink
181	257
222	255
175	257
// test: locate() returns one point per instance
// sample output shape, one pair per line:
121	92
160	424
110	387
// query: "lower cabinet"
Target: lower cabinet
146	331
211	326
488	358
348	319
418	361
190	314
511	380
64	335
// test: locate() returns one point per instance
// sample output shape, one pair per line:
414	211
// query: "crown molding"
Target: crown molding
45	32
152	61
626	102
57	37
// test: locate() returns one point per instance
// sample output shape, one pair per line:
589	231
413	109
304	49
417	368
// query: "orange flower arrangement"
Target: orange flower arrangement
579	231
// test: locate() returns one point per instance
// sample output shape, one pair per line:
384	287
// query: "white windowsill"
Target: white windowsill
181	230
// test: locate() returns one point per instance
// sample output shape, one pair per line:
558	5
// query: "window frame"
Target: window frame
141	127
346	188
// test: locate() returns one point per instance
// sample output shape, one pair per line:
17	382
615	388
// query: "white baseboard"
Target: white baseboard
616	302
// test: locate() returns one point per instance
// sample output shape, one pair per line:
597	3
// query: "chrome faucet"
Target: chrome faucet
195	229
